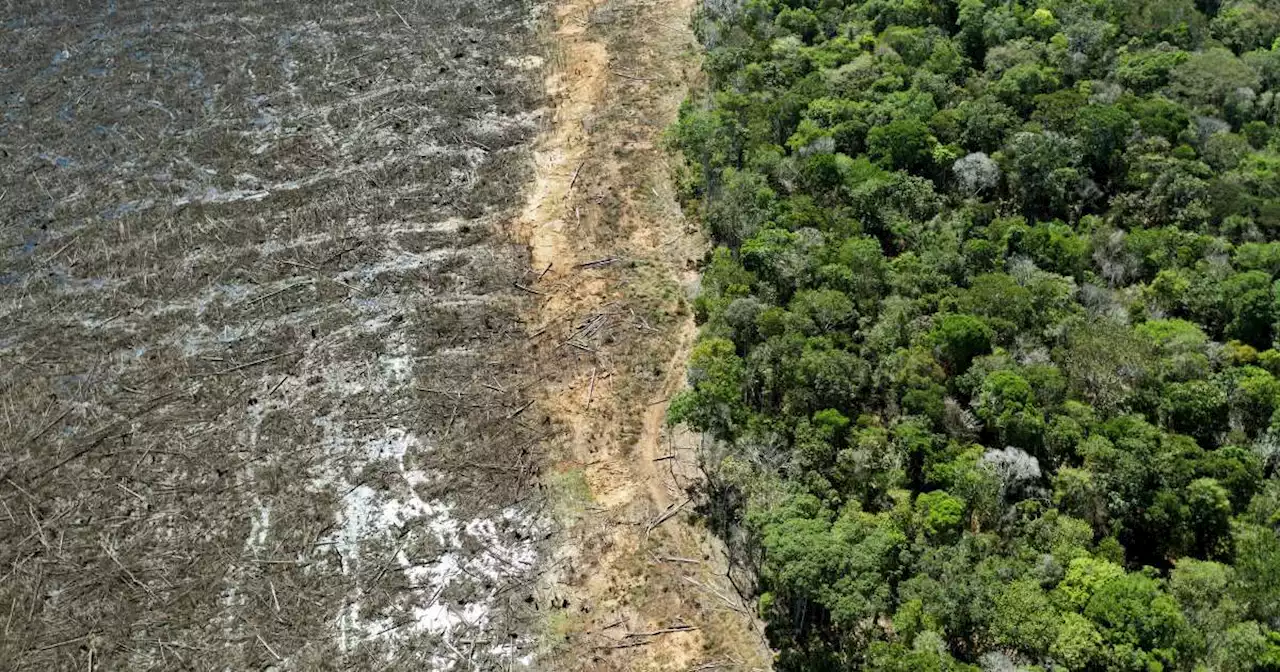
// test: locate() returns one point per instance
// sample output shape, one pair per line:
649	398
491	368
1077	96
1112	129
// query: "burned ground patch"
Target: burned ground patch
258	333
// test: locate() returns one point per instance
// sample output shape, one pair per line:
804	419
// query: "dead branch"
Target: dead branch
591	390
633	77
268	647
520	410
282	290
671	511
628	645
65	642
598	262
713	591
575	175
48	426
406	25
580	346
663	631
255	362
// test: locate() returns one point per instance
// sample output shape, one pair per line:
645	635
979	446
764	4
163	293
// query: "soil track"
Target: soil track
636	585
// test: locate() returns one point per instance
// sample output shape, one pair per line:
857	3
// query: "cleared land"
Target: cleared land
636	582
260	395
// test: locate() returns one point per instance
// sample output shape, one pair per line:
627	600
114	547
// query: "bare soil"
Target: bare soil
637	583
340	336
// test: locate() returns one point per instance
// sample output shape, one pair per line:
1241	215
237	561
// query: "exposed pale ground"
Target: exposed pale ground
639	585
298	366
261	396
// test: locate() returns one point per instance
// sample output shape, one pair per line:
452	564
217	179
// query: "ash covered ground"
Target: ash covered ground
260	400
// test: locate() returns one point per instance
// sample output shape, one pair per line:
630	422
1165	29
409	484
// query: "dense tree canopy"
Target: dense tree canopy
989	335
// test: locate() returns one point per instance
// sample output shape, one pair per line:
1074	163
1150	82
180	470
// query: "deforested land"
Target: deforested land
260	402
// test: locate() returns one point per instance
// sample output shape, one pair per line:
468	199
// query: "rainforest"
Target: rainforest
988	357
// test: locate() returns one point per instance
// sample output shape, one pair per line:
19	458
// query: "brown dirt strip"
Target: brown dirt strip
637	583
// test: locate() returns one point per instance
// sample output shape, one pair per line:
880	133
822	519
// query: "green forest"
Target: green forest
988	362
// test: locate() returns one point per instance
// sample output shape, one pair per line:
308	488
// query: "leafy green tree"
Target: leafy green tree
1237	469
1145	71
1103	131
1026	620
1043	172
1206	78
865	260
1164	188
1084	577
1061	437
1252	189
1197	408
744	206
822	311
1078	645
817	441
1245	25
1006	402
1138	620
1018	86
984	123
781	258
1059	111
714	400
1157	116
1203	589
1241	304
1055	247
1006	305
834	378
1209	508
1176	21
1106	364
1254	399
1257	564
833	564
1145	473
915	13
928	653
1247	646
905	144
939	513
801	22
960	338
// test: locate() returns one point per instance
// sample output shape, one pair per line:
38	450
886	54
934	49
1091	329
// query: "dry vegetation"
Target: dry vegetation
260	394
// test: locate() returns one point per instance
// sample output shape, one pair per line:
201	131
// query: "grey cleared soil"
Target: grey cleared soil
260	402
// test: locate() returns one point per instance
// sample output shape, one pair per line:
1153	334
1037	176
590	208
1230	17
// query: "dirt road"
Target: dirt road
637	584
